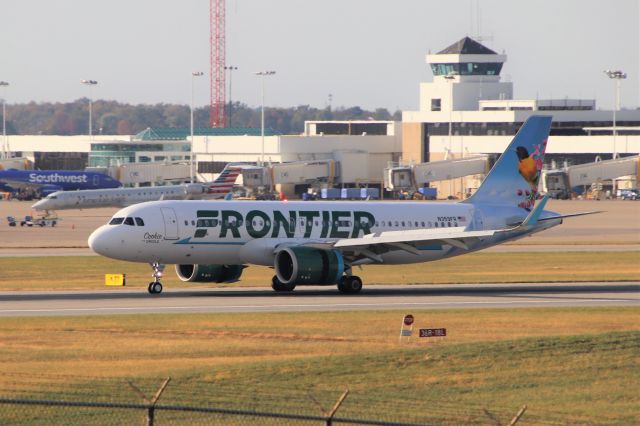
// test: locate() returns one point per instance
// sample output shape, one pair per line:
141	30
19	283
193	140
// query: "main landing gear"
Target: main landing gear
350	284
155	287
278	285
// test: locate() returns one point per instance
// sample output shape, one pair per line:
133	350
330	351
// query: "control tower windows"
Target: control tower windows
467	68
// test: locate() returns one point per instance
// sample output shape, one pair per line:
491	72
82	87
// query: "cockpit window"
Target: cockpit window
116	221
128	221
139	221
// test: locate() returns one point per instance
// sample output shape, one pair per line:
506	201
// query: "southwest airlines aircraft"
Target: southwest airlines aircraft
47	181
122	197
319	243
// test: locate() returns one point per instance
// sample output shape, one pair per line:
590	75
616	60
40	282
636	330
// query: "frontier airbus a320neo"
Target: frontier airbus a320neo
319	243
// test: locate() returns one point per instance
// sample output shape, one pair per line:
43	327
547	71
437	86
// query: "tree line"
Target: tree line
115	118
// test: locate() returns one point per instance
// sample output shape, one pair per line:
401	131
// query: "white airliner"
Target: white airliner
122	197
319	243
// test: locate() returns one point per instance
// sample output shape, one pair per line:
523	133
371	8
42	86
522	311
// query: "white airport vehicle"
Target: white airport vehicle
320	243
122	197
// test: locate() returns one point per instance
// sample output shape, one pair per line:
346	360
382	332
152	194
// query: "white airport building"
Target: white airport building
467	110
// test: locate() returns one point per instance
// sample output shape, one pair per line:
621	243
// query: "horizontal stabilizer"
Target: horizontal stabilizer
570	215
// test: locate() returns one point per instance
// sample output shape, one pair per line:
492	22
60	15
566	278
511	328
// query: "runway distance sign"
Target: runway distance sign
433	332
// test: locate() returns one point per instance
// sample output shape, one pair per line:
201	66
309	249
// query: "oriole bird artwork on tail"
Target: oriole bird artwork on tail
527	166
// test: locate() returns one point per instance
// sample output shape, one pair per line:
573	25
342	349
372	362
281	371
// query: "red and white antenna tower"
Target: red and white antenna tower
217	58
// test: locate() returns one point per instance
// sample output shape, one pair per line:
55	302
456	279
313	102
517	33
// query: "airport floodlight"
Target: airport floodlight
263	74
194	74
616	76
90	83
231	69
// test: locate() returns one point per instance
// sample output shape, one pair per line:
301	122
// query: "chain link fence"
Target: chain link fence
46	412
29	399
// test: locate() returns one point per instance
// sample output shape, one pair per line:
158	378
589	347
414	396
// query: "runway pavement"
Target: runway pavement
227	300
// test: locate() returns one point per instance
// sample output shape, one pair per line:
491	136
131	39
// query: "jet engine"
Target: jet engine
209	273
306	265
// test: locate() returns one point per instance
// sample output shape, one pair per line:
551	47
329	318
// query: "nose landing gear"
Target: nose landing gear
155	287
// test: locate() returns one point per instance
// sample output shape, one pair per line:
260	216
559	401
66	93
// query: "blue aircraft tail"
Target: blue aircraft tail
513	180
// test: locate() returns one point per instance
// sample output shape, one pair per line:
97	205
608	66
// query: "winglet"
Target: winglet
229	196
532	218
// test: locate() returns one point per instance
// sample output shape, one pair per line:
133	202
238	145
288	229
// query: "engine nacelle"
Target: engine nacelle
306	265
209	273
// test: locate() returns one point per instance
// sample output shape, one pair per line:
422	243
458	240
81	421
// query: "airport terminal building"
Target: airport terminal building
466	110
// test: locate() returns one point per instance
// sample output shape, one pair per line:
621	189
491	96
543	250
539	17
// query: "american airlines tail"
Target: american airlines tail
224	183
513	180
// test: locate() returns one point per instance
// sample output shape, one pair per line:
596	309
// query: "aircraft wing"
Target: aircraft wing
22	185
372	246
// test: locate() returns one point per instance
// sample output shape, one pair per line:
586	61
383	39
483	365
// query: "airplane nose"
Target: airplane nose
99	241
39	205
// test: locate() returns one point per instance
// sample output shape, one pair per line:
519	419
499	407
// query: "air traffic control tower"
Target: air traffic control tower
464	73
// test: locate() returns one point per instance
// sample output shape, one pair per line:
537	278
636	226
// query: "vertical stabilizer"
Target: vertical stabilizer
513	180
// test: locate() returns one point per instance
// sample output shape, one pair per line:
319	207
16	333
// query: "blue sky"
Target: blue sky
363	52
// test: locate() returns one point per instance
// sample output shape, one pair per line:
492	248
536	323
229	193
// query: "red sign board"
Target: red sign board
433	332
408	319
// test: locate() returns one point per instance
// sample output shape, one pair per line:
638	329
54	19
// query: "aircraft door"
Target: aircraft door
96	181
170	223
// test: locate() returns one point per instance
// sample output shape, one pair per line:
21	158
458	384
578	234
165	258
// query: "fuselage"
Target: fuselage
118	197
241	232
54	180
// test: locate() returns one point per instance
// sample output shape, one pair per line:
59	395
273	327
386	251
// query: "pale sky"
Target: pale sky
369	53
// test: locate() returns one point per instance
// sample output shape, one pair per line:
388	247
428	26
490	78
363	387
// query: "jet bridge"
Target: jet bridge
402	178
558	183
294	173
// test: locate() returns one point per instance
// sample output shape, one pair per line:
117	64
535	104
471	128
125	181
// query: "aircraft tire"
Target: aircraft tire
157	288
279	286
150	287
350	285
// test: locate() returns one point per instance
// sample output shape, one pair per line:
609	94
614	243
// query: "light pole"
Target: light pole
194	74
4	84
231	69
617	76
90	83
449	78
263	74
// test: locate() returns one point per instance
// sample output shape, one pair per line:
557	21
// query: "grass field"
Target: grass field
569	365
75	273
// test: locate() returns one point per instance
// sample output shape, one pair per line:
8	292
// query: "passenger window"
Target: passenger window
436	224
186	223
128	221
139	221
403	223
